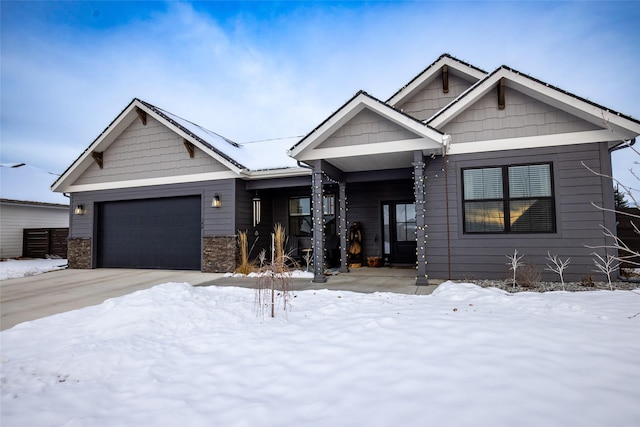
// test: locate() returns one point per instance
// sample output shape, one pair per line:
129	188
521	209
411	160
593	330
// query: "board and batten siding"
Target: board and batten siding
365	128
523	116
478	256
147	151
17	217
431	99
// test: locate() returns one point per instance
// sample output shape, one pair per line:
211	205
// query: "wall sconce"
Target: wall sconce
216	202
79	210
257	207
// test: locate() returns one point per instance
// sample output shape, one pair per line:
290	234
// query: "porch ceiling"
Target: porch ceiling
371	162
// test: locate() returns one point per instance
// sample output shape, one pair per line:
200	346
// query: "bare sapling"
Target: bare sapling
558	266
275	277
515	262
606	265
624	253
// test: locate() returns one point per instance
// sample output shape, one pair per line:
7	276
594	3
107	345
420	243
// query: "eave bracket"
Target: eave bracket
97	157
191	149
445	79
142	115
501	97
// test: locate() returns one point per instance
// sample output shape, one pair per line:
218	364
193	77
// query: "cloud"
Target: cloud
267	70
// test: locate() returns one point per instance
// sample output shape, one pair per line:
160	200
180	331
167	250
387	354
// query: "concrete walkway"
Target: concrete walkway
33	297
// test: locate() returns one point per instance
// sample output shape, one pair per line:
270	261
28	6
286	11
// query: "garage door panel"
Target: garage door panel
151	233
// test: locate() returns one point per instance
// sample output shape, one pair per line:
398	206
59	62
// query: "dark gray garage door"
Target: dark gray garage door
150	233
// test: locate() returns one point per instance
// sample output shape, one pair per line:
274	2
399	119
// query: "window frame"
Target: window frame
506	199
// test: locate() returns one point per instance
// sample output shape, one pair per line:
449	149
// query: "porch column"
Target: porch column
318	224
342	227
421	226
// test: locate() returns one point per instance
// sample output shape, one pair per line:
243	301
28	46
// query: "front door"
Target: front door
399	232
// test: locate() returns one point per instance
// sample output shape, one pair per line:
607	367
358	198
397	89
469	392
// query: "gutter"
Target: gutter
623	144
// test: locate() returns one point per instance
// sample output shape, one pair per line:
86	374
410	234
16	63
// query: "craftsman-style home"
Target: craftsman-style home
457	169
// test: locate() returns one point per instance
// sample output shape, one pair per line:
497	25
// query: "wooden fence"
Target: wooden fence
40	242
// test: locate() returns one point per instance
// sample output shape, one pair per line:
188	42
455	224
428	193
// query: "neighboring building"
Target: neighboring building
26	202
456	170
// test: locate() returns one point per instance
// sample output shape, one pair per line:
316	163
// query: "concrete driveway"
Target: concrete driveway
33	297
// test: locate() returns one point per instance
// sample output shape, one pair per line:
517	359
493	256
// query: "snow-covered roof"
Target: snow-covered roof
27	184
261	155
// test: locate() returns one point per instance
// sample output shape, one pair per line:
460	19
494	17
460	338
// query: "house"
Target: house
455	171
26	202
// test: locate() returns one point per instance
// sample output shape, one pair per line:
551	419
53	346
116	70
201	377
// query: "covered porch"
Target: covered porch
376	155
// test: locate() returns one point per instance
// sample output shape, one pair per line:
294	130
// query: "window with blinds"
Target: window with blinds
509	199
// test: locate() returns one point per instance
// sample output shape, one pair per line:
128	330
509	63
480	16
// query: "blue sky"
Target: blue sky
260	70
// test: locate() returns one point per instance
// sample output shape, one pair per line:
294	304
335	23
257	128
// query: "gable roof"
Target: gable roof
427	138
227	152
26	184
466	71
619	126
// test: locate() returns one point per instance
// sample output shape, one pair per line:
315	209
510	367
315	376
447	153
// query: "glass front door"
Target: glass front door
399	232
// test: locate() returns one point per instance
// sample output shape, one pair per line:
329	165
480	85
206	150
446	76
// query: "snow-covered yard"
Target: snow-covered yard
200	356
14	269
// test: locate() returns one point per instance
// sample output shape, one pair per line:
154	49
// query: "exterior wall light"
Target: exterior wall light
79	210
216	202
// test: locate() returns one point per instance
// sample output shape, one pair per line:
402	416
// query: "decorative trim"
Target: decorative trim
142	115
191	149
555	140
98	158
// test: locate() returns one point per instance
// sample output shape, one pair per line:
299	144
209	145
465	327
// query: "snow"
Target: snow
28	184
262	155
14	269
295	274
201	356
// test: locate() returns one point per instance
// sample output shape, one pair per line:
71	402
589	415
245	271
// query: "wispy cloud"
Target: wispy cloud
271	70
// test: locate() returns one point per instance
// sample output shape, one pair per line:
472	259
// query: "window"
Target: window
508	199
300	218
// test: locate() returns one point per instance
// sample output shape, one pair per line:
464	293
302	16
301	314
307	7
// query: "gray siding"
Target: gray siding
523	116
215	222
150	151
432	99
364	204
367	127
483	256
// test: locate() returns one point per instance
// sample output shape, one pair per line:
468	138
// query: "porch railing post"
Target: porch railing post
342	189
421	226
318	223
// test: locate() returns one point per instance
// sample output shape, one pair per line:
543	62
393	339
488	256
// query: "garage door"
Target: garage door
150	233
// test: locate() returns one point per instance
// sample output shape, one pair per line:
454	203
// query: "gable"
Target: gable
441	73
367	127
427	101
146	152
523	116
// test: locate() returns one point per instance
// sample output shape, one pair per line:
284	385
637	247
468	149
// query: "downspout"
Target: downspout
620	146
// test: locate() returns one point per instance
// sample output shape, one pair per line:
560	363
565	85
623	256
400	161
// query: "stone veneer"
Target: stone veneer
220	254
79	253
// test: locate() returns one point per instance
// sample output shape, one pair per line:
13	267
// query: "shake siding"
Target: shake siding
216	222
150	151
483	255
523	116
432	99
367	127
